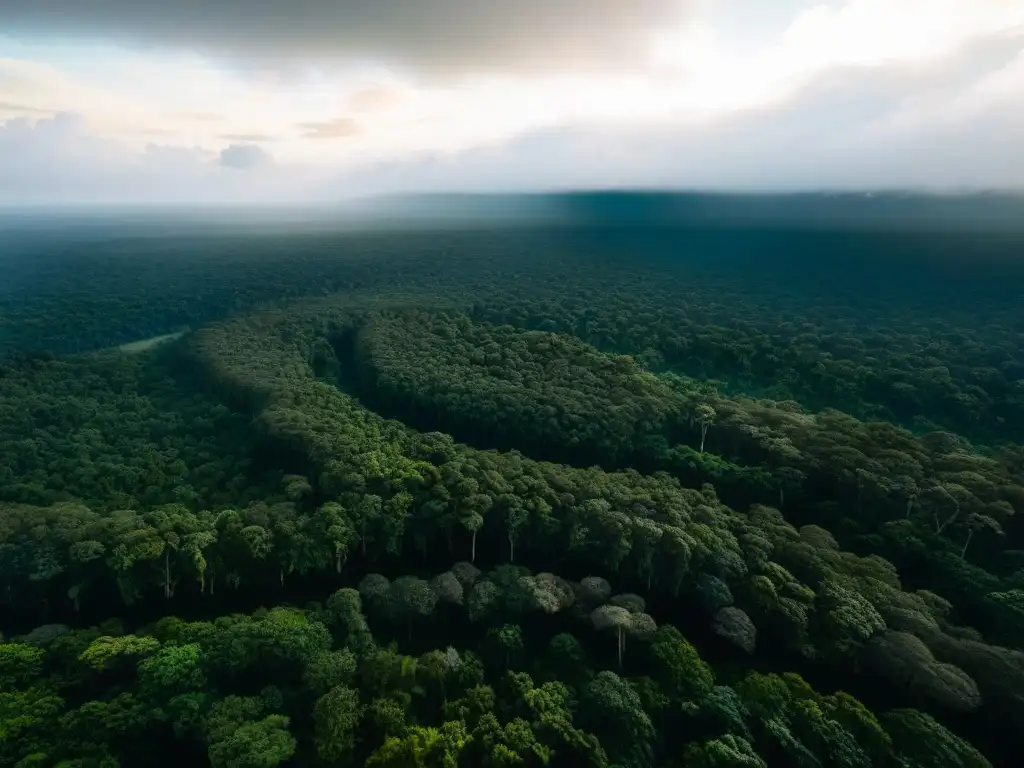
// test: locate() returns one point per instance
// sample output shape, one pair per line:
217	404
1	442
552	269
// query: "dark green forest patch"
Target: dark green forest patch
550	396
449	465
119	431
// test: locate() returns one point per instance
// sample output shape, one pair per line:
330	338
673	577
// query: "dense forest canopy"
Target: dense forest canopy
536	496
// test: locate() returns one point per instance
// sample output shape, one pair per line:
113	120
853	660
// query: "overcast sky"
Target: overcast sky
262	100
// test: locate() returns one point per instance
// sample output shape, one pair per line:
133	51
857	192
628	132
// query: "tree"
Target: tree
727	751
678	667
516	517
722	712
512	744
173	670
388	715
261	744
646	535
345	614
104	650
918	739
615	619
610	707
704	415
467	574
21	665
368	513
338	530
906	660
423	748
483	600
471	516
569	657
592	592
735	626
448	588
509	638
979	523
412	600
329	669
714	593
847	618
122	722
544	592
336	717
29	719
375	591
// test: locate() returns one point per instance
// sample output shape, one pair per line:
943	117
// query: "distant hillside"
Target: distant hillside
643	208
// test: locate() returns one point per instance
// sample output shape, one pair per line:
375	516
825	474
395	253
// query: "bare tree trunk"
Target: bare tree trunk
940	527
472	558
963	552
511	548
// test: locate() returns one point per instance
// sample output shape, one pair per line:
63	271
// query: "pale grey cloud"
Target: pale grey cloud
958	124
340	128
375	98
23	109
244	157
955	123
247	137
170	156
201	117
426	36
58	160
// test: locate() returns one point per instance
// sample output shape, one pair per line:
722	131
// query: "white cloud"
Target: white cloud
954	124
59	160
244	157
839	94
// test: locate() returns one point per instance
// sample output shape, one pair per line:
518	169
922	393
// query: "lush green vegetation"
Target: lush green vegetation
556	498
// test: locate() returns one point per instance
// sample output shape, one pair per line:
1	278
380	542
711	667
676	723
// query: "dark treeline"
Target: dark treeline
512	498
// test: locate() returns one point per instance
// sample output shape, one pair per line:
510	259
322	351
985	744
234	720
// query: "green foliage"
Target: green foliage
919	740
676	666
172	670
611	708
27	722
105	650
261	744
423	748
723	712
20	665
727	752
644	421
848	618
328	669
336	721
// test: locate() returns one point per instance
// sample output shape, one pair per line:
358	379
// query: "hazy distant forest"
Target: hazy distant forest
534	496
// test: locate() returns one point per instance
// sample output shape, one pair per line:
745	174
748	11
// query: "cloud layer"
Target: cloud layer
57	160
425	36
244	157
853	94
951	126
